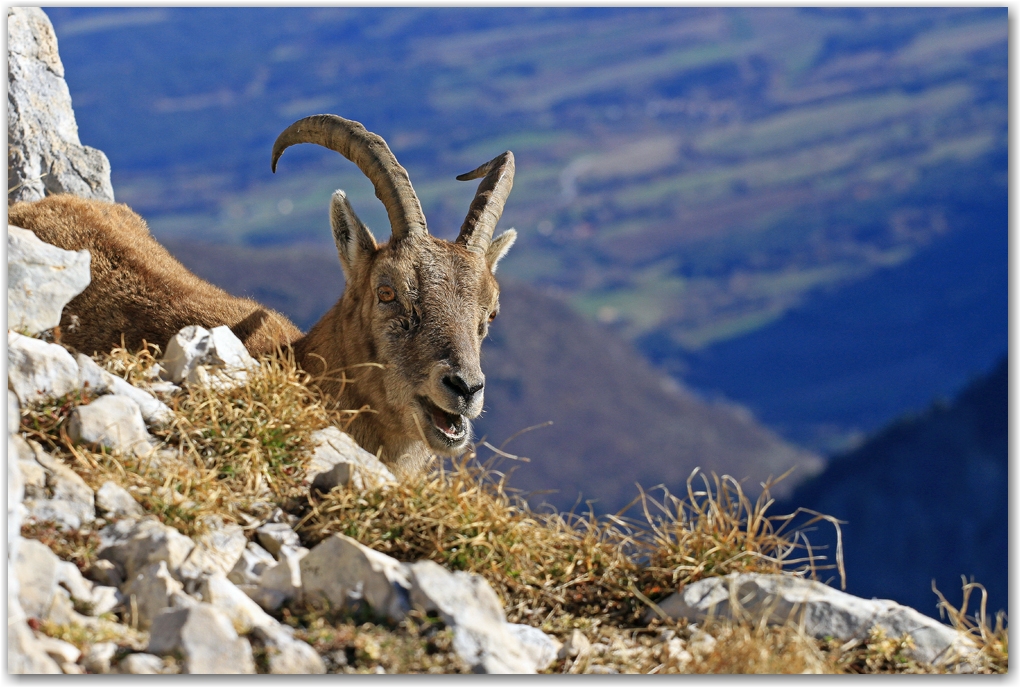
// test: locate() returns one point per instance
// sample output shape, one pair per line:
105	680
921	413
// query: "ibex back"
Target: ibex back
406	333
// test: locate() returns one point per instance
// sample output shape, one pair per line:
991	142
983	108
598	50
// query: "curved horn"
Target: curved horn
372	156
487	207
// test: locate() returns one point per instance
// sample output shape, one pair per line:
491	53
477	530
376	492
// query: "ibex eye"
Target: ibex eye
492	316
386	294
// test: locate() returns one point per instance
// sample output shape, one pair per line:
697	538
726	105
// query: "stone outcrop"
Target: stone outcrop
41	279
824	611
44	154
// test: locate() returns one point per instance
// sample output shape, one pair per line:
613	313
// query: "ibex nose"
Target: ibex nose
462	387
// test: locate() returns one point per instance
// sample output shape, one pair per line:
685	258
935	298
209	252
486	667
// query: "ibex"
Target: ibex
418	306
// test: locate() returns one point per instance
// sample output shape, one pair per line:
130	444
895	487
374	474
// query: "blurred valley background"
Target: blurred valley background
750	239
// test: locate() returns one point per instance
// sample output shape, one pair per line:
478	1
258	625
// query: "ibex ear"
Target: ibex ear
498	248
354	242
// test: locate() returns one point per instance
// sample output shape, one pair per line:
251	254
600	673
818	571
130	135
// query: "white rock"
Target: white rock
13	413
104	600
59	650
341	570
106	573
15	509
576	645
249	567
116	501
151	590
41	279
281	582
37	573
99	658
338	461
44	153
100	381
467	603
286	654
542	648
37	370
275	535
216	551
72	580
194	348
134	544
824	611
66	515
140	664
204	638
111	421
25	654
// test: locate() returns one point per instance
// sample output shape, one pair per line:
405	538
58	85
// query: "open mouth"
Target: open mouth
452	427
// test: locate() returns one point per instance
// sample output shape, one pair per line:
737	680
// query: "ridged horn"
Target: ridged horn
487	207
372	156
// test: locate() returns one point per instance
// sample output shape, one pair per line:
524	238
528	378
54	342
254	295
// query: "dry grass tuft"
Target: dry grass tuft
991	640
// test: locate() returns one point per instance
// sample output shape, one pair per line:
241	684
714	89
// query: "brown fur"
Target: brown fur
405	358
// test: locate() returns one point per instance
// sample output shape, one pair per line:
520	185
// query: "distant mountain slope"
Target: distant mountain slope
925	498
617	421
847	361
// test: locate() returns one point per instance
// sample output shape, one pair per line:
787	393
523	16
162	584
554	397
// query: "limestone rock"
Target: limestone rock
204	638
15	509
253	562
41	279
25	654
275	535
111	421
825	611
44	153
216	551
286	654
576	645
134	544
342	570
106	573
542	648
218	350
59	650
100	381
281	582
466	602
13	413
140	664
36	568
338	461
151	590
116	501
37	370
99	657
66	515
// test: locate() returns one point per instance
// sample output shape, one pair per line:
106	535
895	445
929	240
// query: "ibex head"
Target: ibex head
417	304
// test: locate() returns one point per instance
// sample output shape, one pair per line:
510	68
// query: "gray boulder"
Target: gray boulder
36	569
204	639
286	655
37	370
116	501
216	551
824	611
151	590
114	422
13	413
199	355
281	582
41	279
276	535
341	570
44	153
135	544
249	567
339	461
466	602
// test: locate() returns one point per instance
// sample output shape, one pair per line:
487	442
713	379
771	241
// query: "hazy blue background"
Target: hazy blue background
799	216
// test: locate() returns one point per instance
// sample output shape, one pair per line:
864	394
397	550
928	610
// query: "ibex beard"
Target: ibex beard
402	343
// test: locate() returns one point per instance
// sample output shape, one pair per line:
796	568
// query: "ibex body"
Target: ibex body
406	333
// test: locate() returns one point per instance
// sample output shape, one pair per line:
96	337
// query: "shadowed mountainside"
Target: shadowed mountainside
925	499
